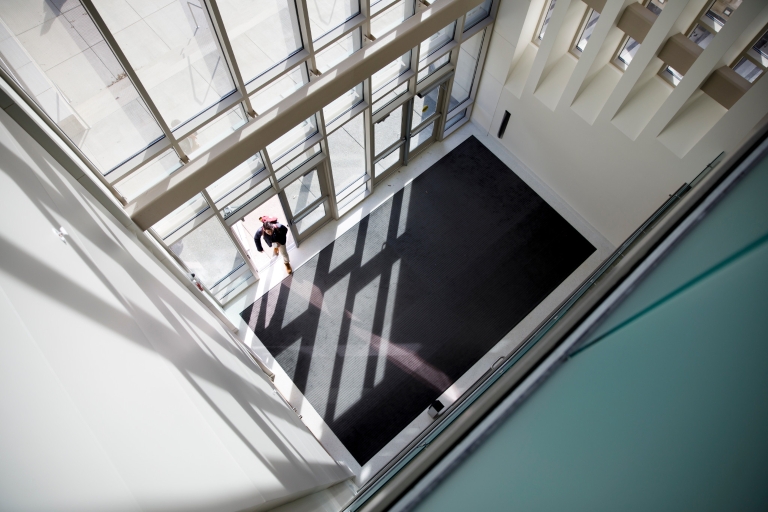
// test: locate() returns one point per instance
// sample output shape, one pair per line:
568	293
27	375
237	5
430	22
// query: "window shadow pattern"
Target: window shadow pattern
383	320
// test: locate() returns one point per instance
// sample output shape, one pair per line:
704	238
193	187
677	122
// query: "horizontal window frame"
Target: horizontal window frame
338	32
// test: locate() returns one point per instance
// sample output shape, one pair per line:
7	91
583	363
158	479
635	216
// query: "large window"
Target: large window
141	89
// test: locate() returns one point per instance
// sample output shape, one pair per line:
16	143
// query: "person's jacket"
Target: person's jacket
278	235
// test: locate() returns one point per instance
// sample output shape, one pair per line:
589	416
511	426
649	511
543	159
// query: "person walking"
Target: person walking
273	233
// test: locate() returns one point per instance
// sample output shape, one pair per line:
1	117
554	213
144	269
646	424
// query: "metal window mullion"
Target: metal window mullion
306	34
31	103
229	55
131	73
242	250
328	168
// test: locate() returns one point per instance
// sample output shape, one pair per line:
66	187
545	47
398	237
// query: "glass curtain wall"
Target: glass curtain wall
138	90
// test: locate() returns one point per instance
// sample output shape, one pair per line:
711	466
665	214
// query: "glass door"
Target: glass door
426	113
305	200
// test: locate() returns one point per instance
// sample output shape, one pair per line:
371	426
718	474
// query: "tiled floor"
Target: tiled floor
274	274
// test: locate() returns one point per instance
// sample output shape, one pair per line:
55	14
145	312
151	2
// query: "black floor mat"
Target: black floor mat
378	324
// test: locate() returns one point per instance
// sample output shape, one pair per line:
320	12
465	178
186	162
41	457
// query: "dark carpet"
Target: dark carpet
378	324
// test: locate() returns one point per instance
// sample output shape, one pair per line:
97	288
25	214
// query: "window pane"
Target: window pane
62	62
588	28
390	73
628	52
152	173
209	253
238	180
303	192
388	131
346	150
477	15
546	19
311	219
343	104
385	96
388	161
262	33
436	41
391	18
278	90
439	63
721	10
292	139
181	216
425	106
761	46
244	200
338	51
465	70
325	15
354	197
455	119
204	138
174	51
297	162
422	137
747	69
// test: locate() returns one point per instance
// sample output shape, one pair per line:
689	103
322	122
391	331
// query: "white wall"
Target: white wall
118	389
614	145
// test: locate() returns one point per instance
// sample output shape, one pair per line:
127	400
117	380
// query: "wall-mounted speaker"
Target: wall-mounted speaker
504	122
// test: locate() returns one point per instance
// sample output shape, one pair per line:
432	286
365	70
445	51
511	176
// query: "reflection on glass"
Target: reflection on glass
152	173
388	161
303	192
343	104
181	216
204	138
281	88
466	66
477	15
386	96
294	138
346	148
424	106
237	181
297	162
390	73
422	137
311	219
547	17
701	36
429	70
721	10
209	253
391	18
175	52
455	119
628	52
62	62
388	131
325	15
247	198
338	51
748	70
263	33
588	28
436	41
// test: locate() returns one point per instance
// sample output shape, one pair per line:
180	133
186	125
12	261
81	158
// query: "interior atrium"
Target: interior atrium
475	194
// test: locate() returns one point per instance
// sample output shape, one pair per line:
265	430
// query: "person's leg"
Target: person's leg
283	253
287	261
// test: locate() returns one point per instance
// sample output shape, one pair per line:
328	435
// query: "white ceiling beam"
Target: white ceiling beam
211	165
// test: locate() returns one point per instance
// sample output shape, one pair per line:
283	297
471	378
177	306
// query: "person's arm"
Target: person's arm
257	239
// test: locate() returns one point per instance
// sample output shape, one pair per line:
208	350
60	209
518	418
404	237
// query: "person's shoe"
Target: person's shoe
288	268
277	251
